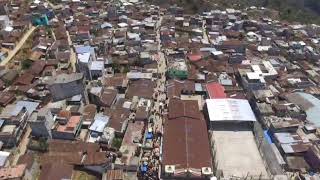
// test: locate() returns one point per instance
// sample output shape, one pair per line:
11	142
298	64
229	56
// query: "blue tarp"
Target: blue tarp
144	168
267	136
149	135
83	49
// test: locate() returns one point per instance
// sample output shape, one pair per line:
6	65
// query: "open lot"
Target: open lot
237	154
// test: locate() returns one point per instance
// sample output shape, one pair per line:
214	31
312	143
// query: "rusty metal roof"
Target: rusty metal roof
186	143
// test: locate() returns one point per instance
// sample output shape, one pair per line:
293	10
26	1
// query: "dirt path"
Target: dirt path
16	49
22	148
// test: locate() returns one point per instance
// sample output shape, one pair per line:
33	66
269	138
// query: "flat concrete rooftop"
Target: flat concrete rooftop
237	154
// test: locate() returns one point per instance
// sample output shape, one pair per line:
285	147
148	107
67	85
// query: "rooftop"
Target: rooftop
215	90
185	132
72	123
309	103
100	121
65	78
141	88
230	110
55	171
13	172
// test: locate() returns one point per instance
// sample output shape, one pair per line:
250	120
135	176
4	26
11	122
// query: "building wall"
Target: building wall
95	74
312	159
252	86
39	129
4	21
62	135
84	68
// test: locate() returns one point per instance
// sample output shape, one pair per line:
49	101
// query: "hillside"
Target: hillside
306	11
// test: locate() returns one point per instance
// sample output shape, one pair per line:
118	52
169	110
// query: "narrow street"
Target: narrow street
16	49
157	119
161	81
22	148
73	58
204	31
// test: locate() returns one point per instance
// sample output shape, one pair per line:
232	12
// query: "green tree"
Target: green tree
26	64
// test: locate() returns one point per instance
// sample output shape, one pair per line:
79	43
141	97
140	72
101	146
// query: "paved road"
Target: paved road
16	49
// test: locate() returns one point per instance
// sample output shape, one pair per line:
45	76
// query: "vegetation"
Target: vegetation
116	143
26	64
289	10
116	66
38	145
126	69
55	2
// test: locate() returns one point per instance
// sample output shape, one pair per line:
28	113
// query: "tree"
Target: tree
43	145
116	143
26	64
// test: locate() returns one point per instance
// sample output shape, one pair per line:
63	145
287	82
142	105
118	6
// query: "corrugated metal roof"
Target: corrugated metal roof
186	143
215	90
97	65
100	122
83	49
30	106
309	103
3	157
287	138
230	110
198	87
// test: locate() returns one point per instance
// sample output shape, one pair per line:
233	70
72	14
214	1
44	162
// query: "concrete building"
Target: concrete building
4	22
85	57
96	69
41	126
255	77
67	128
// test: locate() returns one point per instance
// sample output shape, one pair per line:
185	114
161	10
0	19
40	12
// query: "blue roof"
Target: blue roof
149	135
267	137
83	49
29	105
